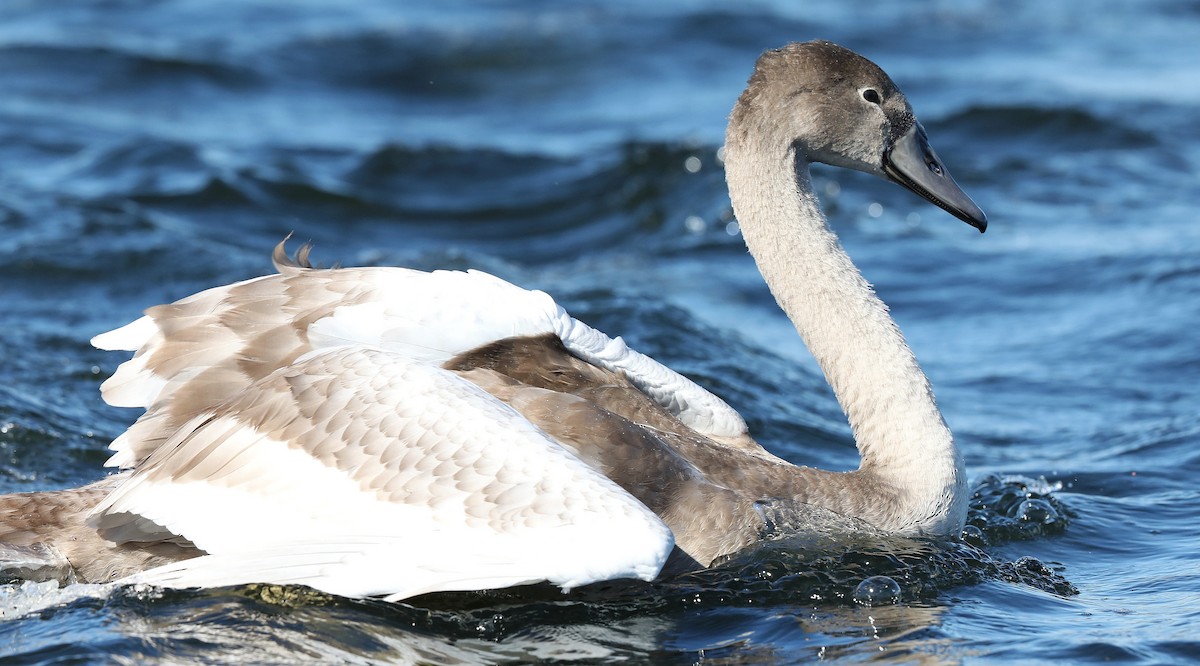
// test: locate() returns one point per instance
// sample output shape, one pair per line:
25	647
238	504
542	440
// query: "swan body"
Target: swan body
391	432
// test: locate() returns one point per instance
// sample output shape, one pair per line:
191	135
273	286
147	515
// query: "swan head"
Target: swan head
833	106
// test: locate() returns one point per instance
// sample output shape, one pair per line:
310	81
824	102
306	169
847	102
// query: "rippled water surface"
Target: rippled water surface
149	150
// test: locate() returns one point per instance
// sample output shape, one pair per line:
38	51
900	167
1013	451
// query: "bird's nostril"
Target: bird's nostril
932	163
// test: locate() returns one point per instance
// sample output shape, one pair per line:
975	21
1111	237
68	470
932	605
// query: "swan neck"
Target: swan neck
910	464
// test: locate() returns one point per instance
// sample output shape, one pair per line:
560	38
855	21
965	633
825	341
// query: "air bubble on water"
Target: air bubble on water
974	536
877	591
1007	507
1036	511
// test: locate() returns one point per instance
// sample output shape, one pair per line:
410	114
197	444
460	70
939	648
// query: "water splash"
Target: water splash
1007	508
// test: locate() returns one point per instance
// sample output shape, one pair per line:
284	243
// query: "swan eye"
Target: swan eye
871	95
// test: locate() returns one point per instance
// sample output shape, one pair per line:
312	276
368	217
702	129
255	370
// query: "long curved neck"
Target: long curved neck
910	464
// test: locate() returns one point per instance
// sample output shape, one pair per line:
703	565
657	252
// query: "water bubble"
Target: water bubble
1008	507
692	164
732	228
875	209
974	536
694	224
877	591
1036	511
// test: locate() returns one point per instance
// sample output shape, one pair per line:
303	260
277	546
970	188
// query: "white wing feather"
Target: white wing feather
427	317
434	316
406	479
299	429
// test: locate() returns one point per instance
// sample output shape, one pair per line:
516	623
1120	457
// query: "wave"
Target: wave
528	205
110	69
1049	128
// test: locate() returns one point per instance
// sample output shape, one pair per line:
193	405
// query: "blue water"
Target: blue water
149	150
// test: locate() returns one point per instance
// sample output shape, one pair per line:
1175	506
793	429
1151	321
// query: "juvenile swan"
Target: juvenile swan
390	432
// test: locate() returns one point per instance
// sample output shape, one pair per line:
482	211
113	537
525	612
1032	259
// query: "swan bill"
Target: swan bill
912	162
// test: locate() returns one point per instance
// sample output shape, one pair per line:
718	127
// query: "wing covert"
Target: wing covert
361	472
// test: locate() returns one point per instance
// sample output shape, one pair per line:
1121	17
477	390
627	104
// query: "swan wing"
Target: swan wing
201	350
361	472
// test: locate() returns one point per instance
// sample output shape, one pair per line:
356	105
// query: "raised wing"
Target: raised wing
361	472
201	350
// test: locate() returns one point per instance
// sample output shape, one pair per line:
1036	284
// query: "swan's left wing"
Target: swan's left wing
202	349
363	473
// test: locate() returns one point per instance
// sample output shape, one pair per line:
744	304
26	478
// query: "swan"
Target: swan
390	432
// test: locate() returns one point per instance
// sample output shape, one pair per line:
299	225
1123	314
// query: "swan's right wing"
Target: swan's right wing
363	473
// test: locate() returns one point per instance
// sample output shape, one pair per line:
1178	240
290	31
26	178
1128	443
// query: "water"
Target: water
149	150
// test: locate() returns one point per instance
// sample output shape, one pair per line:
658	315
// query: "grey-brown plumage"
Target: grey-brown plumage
45	536
709	494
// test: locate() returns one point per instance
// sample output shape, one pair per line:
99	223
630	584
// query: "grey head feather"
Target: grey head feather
809	97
